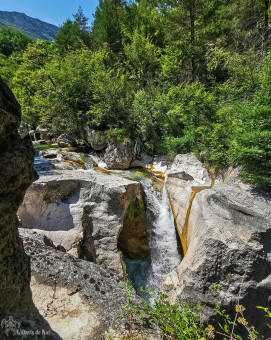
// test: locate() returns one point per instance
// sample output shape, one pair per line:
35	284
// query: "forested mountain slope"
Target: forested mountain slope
35	28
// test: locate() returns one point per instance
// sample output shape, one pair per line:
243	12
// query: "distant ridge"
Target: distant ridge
35	28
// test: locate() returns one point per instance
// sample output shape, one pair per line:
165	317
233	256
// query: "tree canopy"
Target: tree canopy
176	76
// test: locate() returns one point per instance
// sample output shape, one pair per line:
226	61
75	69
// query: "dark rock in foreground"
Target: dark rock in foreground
79	299
17	311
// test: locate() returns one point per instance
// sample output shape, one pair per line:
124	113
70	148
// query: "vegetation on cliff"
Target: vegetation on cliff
175	76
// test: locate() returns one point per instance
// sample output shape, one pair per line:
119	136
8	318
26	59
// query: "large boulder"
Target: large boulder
66	141
43	132
16	175
84	213
97	139
50	153
17	311
227	240
71	156
79	299
118	156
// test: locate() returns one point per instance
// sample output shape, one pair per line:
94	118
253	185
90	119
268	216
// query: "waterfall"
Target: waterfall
164	254
98	160
40	163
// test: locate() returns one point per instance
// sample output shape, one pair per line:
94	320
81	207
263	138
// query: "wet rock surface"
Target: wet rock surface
133	239
79	299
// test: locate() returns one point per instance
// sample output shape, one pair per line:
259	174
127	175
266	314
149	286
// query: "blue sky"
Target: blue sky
52	11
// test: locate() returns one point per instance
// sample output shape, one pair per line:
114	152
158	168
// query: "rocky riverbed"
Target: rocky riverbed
223	225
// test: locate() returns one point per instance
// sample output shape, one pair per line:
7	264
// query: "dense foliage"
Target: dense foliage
174	76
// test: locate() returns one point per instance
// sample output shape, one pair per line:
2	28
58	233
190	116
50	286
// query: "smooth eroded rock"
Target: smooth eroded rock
186	172
228	240
84	213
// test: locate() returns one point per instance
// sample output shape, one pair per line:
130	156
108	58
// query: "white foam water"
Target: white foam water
164	254
101	164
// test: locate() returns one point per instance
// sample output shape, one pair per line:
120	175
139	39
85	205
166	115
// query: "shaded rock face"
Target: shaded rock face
118	156
16	174
133	237
84	213
79	299
228	242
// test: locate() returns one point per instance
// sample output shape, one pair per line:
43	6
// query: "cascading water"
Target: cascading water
98	160
40	163
164	255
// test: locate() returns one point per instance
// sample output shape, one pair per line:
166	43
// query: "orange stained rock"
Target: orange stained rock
228	175
194	190
103	171
79	164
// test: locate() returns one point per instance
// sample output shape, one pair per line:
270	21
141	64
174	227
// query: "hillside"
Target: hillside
35	28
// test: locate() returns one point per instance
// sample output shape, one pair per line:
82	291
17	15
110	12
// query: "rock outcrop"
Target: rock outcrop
16	174
50	153
71	156
118	156
84	213
227	240
79	299
18	315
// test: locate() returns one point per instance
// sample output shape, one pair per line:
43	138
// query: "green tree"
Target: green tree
74	34
106	27
12	40
8	67
253	134
30	78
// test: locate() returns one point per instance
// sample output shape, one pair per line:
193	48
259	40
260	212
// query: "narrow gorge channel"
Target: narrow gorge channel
165	252
164	244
